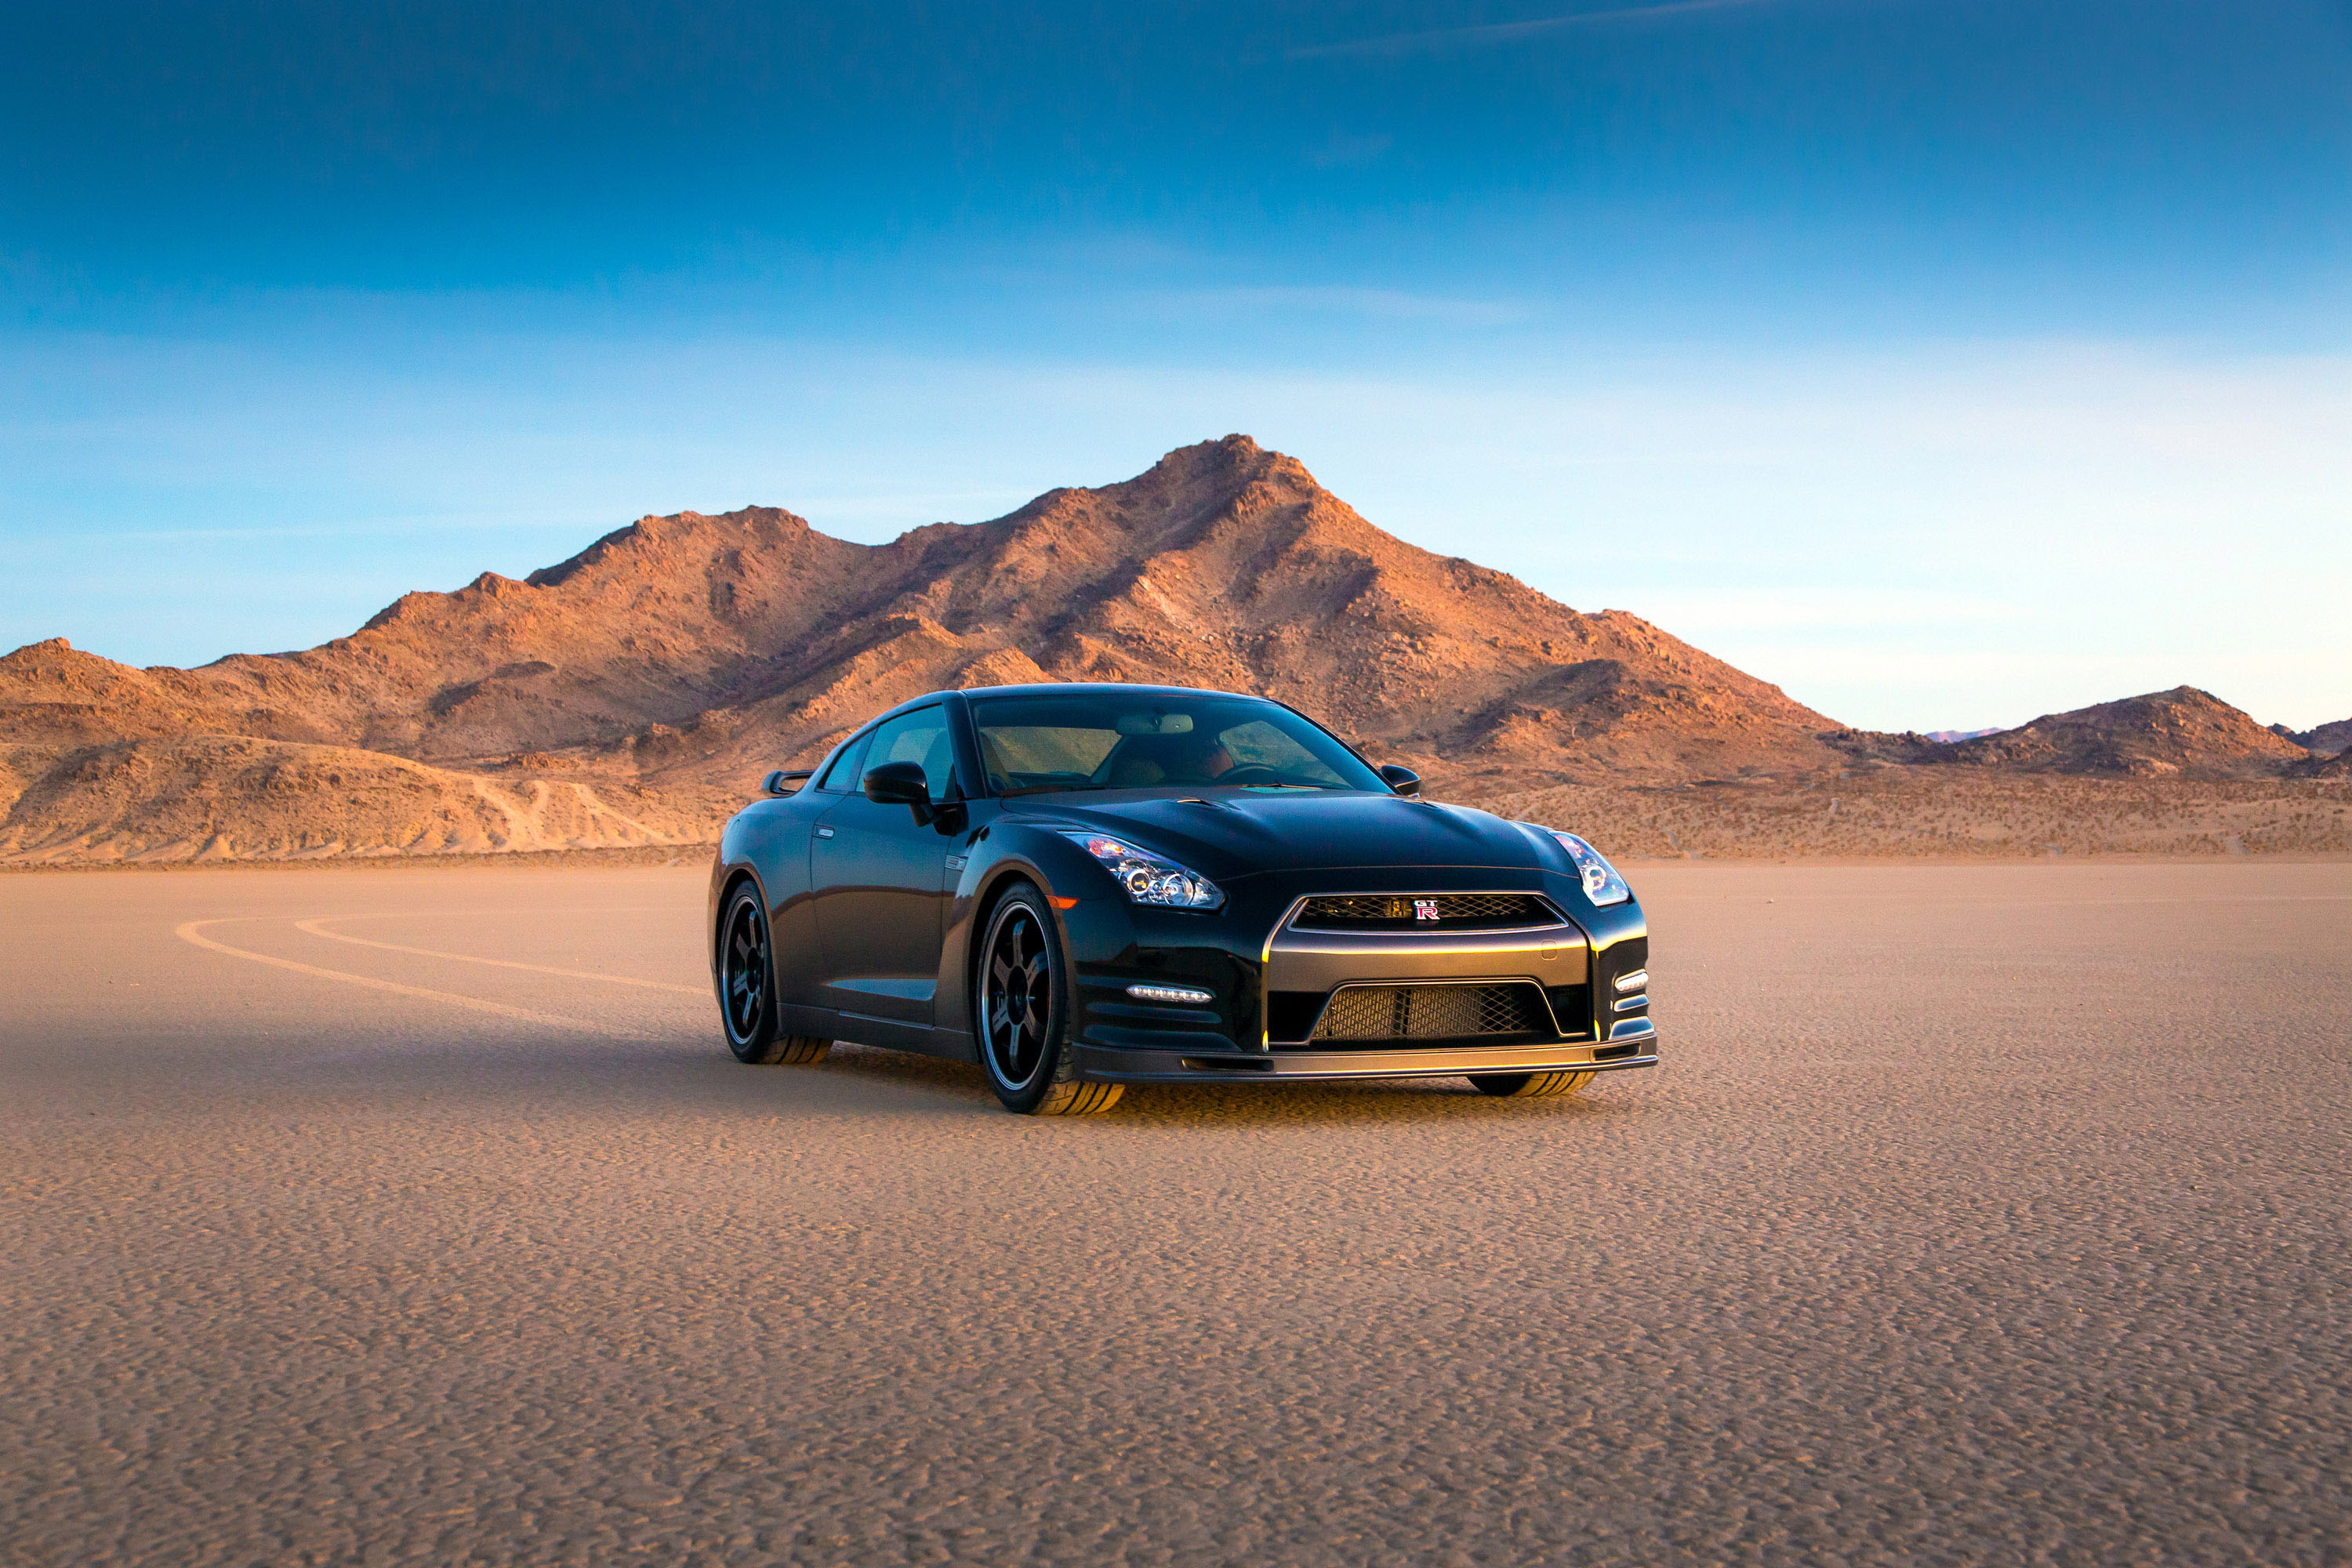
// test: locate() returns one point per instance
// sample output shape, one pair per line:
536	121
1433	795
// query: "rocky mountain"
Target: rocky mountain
2180	734
679	656
1224	566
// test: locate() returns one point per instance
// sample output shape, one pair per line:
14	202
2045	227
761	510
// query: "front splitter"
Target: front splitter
1109	1066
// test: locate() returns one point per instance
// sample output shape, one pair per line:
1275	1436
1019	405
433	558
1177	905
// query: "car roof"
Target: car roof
1082	687
1067	689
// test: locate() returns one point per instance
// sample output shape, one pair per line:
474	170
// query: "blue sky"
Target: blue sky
1945	361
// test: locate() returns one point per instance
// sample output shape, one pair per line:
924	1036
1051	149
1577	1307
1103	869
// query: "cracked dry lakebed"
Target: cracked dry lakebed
1978	1213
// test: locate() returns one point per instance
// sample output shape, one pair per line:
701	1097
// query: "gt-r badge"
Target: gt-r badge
1424	909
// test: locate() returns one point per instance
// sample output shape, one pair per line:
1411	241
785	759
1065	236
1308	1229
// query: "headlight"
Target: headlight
1602	885
1150	878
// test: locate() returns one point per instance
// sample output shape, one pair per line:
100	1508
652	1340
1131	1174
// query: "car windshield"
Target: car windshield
1110	740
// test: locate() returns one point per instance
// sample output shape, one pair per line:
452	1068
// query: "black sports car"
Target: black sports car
1081	887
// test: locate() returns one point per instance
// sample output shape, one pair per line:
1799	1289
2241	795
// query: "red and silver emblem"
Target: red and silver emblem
1424	909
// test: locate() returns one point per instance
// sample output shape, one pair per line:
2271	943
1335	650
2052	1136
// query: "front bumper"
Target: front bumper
1271	980
1634	1044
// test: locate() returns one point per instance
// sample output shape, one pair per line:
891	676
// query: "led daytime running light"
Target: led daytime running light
1184	995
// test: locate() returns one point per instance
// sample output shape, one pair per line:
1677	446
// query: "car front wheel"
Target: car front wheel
1022	1001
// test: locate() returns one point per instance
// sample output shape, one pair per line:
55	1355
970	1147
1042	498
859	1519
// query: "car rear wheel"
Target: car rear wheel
1528	1085
747	988
1023	1011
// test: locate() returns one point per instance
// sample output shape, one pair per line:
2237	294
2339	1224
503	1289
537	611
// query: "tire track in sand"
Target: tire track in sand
318	927
191	932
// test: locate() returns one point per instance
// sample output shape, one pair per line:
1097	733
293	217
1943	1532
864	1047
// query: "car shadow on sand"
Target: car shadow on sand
692	1073
1366	1101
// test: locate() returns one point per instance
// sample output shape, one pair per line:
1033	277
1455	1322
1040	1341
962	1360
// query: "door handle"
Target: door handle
825	833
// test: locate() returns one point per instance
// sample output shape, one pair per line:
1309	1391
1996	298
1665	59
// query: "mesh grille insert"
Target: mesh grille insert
1412	911
1431	1012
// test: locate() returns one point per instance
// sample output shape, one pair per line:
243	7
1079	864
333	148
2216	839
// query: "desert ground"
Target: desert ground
1983	1213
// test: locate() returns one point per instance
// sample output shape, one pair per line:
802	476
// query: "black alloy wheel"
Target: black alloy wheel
1022	1007
747	988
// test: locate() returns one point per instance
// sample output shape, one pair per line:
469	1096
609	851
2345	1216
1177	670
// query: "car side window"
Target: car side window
922	738
843	775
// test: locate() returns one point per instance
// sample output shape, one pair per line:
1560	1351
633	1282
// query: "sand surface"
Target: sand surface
1981	1214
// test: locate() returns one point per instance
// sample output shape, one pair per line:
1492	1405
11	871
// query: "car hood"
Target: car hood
1228	833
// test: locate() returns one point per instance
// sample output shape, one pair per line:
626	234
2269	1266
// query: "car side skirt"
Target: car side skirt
890	1034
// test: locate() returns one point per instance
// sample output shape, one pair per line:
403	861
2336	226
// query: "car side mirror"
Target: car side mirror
782	782
900	783
1404	781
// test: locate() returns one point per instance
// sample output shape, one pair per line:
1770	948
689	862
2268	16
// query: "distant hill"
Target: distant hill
1952	737
2181	733
2327	741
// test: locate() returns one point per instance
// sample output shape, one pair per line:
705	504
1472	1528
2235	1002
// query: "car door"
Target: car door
879	881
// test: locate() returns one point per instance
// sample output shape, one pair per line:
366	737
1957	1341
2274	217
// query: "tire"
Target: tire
1529	1085
747	988
1021	1014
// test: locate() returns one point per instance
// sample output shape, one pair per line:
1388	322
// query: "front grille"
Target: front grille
1410	911
1433	1012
